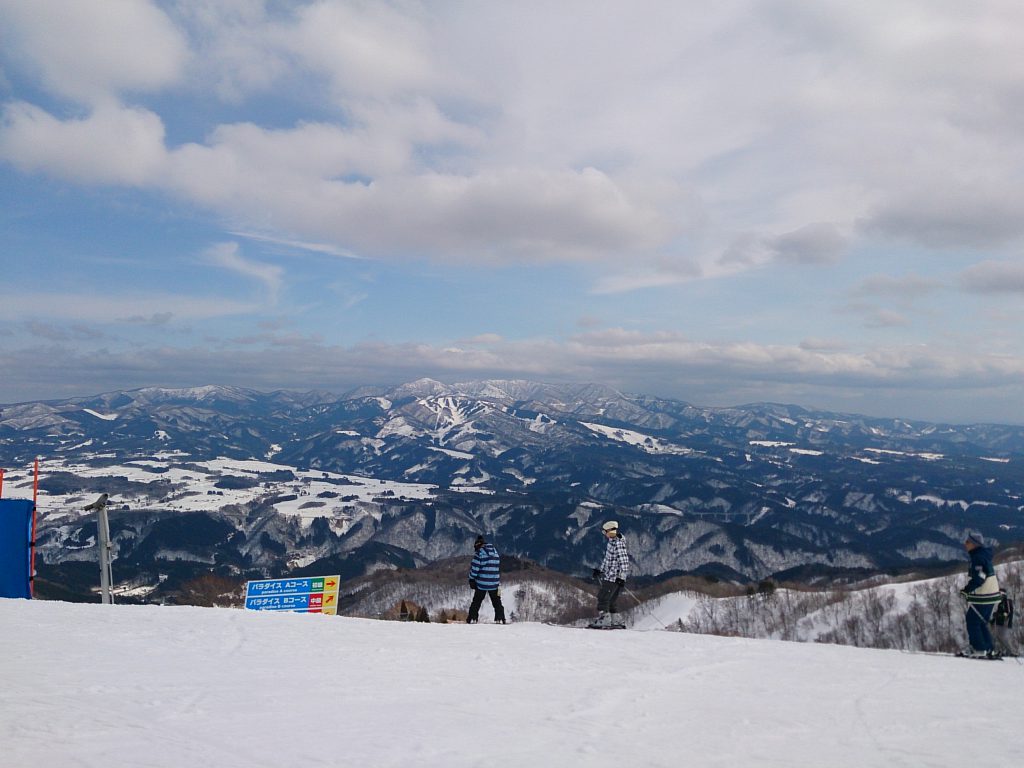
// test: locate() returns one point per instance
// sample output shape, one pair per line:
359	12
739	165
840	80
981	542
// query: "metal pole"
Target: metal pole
103	540
103	523
32	540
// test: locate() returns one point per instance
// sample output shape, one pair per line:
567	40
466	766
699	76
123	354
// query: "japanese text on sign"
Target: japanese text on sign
317	594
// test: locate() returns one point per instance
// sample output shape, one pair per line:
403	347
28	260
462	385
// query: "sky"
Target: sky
813	202
165	687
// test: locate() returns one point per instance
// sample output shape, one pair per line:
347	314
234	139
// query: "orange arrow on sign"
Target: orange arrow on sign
330	599
331	583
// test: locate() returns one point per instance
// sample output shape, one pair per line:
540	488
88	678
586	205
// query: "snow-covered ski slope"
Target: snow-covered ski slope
155	687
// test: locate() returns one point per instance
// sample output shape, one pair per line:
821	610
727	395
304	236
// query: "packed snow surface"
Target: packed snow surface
151	686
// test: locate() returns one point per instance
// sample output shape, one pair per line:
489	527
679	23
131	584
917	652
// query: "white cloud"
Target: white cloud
815	344
641	279
112	145
483	338
236	49
994	277
911	381
53	332
297	245
90	306
818	243
903	287
885	318
645	145
365	49
348	296
228	256
494	216
953	214
155	320
92	50
643	132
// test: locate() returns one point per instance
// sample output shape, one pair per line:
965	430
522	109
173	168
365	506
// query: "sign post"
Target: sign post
314	594
106	576
103	541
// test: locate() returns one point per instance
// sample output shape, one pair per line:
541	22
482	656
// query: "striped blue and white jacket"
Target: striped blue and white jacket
484	569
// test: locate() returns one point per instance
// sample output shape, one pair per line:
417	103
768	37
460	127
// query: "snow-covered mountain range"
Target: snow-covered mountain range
252	483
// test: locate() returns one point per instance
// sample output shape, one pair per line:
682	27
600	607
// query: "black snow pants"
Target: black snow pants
478	599
607	597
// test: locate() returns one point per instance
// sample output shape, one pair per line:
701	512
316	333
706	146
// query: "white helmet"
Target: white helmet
611	525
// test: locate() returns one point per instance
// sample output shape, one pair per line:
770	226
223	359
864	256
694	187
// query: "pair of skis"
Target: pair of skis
962	655
986	657
586	626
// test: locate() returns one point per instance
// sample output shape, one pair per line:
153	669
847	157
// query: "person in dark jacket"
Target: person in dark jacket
485	579
612	574
982	595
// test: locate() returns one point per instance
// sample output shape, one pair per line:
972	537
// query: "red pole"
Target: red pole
32	556
1	483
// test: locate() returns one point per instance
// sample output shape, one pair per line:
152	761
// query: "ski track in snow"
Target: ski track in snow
151	686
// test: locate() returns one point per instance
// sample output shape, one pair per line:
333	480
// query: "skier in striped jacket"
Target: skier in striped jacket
485	579
613	573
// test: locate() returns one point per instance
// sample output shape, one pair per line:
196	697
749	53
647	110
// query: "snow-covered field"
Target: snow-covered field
638	439
148	686
195	489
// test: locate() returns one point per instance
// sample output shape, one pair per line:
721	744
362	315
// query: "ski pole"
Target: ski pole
639	604
629	592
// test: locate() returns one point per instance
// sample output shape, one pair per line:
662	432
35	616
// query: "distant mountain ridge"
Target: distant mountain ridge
741	493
